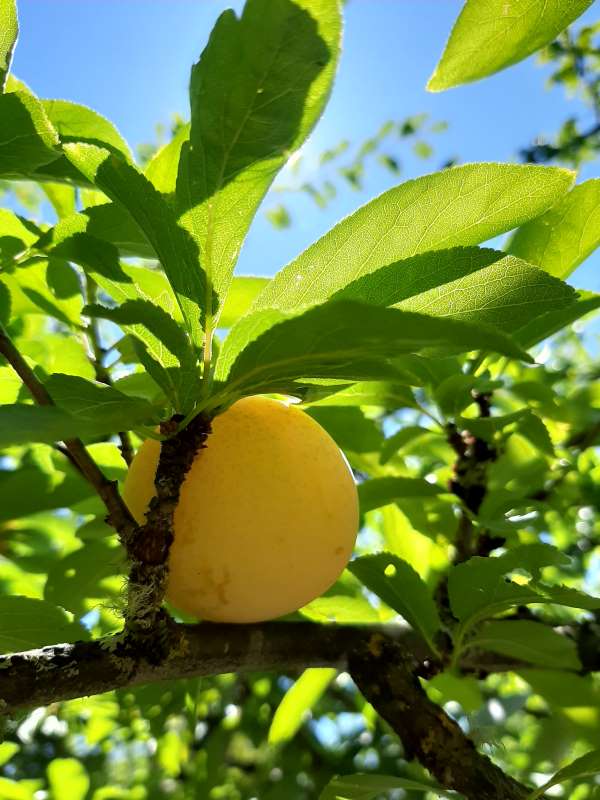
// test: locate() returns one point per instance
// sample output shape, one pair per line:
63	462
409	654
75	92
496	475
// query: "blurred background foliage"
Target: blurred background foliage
209	738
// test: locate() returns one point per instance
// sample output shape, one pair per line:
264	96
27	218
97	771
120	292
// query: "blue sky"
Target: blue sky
130	60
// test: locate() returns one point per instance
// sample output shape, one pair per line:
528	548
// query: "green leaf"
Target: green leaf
480	588
26	623
401	280
346	340
5	304
67	777
524	421
370	787
464	283
15	235
567	596
176	251
77	123
78	582
564	236
561	689
386	394
62	196
96	528
490	35
7	751
162	347
533	428
342	609
70	240
463	205
379	492
448	686
401	588
242	293
256	93
585	767
299	699
8	36
22	424
19	790
89	400
454	393
349	427
10	384
107	221
134	282
27	138
528	641
162	168
400	439
50	287
487	427
507	294
551	322
35	486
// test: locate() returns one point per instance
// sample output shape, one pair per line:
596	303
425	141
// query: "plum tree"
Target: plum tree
267	515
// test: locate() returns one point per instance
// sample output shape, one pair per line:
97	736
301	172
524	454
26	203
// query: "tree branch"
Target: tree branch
384	661
148	546
118	513
381	671
65	671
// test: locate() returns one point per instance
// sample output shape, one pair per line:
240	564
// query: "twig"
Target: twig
469	483
118	513
97	359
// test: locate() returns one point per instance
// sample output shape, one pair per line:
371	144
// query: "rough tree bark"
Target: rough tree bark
388	681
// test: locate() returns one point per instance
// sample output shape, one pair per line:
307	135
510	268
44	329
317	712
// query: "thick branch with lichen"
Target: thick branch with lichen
66	671
148	546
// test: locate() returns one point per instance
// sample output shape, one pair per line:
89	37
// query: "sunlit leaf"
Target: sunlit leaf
340	340
464	205
27	138
379	492
67	776
540	328
161	345
128	187
8	36
256	92
297	702
401	588
564	236
490	35
243	291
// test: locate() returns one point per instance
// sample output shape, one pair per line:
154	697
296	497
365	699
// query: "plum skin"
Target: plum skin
267	515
